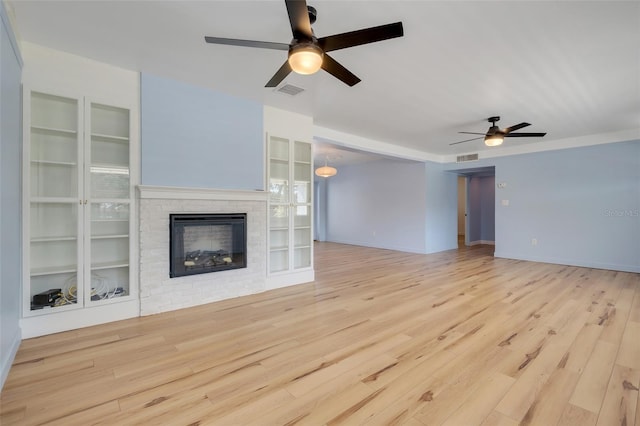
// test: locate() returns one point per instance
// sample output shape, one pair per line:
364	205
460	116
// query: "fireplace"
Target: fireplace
204	243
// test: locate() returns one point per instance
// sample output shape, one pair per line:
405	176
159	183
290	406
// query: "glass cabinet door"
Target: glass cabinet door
302	205
290	185
279	200
108	187
54	204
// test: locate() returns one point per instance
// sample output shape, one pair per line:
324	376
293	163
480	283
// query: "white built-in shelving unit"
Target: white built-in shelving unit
290	206
79	203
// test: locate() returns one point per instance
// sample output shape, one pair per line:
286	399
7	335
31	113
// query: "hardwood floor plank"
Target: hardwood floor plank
591	387
629	354
380	337
475	409
576	416
619	406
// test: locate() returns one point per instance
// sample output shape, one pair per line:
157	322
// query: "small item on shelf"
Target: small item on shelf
47	298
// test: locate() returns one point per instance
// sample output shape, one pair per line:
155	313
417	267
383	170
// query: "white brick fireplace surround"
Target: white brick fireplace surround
158	292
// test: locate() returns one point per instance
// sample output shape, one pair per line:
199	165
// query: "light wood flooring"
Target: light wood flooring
381	337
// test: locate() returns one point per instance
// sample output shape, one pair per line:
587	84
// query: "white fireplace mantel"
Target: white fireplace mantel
179	193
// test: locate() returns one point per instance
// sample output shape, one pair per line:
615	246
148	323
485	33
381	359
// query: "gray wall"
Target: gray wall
441	197
398	205
10	196
379	204
195	137
481	209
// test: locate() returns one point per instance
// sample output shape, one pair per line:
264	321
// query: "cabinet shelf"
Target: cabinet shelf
63	269
302	247
54	200
53	239
53	131
109	237
116	168
54	163
279	160
110	138
110	265
279	248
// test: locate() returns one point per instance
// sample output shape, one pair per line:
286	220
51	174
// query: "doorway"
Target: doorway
476	206
462	211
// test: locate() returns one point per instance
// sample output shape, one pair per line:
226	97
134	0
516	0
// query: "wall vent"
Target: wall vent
465	158
289	89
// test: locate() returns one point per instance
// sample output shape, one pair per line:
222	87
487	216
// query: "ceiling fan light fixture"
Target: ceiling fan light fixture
493	140
305	58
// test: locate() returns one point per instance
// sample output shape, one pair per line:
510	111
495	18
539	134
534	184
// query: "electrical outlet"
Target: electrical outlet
502	185
534	241
505	202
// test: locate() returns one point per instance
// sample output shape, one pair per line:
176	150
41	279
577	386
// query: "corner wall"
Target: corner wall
379	204
10	195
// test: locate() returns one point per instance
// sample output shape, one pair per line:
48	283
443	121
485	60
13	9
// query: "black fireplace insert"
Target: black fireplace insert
203	243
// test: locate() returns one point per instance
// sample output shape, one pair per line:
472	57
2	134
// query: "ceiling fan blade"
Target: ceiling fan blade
516	127
468	140
331	66
247	43
524	135
280	75
358	37
299	19
473	133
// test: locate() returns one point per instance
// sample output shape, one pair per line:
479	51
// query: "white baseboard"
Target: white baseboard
287	279
7	361
570	262
487	242
56	322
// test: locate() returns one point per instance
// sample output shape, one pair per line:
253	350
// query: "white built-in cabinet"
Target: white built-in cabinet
79	205
290	180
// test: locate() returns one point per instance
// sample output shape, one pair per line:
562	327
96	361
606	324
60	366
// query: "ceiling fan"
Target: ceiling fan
307	53
495	136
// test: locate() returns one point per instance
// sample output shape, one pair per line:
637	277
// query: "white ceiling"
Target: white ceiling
570	68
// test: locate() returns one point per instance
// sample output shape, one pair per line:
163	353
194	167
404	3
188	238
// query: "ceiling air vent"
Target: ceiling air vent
465	158
290	90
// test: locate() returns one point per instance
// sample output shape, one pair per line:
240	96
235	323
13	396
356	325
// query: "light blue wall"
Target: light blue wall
441	220
481	208
195	137
320	206
581	204
378	204
10	196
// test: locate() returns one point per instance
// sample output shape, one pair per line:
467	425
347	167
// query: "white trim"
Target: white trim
180	193
289	278
324	134
7	21
570	262
10	356
78	318
478	242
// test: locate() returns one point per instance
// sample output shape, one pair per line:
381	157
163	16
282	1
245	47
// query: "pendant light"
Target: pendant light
326	171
